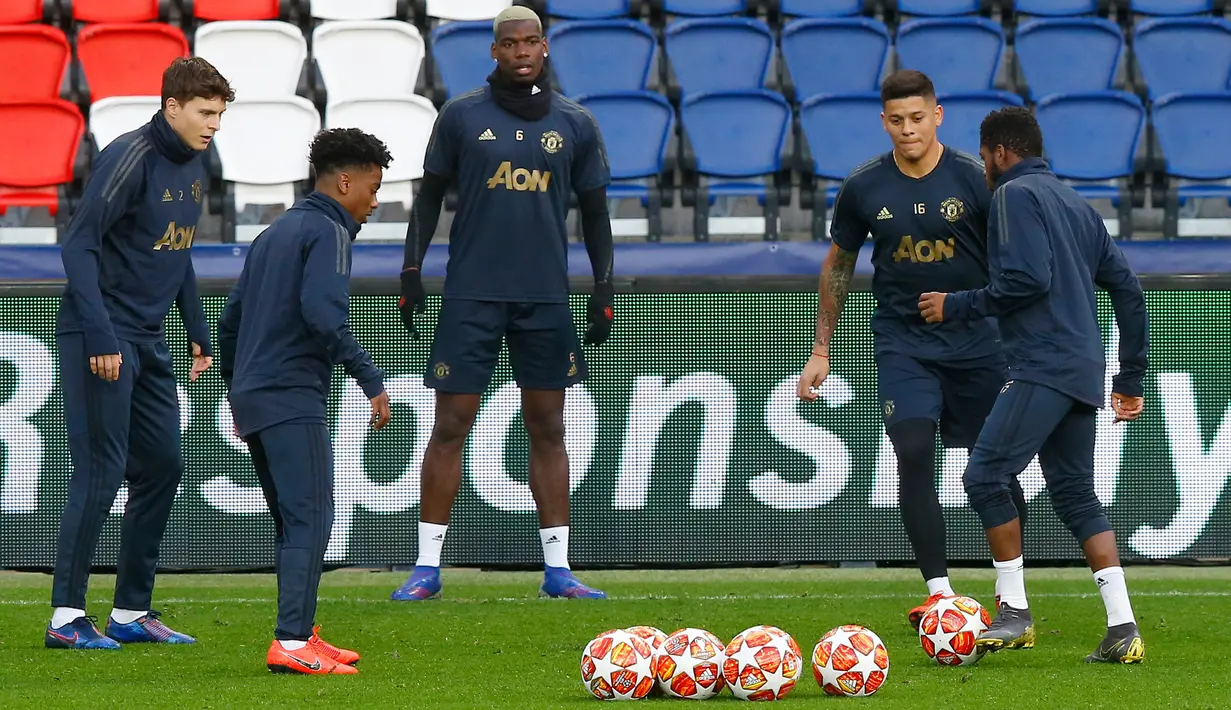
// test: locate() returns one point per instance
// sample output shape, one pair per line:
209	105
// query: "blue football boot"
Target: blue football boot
79	633
423	583
559	583
147	629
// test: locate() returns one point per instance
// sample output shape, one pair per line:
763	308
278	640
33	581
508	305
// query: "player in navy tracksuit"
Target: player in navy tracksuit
925	205
516	151
282	331
127	256
1048	250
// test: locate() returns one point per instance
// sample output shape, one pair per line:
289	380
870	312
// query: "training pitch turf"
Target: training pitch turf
491	643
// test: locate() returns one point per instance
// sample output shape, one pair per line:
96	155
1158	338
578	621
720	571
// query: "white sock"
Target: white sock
555	546
293	645
65	615
1011	583
126	616
431	542
940	585
1111	585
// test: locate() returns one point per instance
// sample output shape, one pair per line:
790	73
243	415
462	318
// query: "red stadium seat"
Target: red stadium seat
116	10
38	149
33	61
128	59
235	9
16	12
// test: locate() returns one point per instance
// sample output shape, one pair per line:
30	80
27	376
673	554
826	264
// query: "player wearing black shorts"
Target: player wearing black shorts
516	151
926	207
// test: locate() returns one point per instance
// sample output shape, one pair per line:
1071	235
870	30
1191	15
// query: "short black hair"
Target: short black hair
1015	128
337	149
907	83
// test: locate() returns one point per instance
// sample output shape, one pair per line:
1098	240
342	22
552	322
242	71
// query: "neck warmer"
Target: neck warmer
531	103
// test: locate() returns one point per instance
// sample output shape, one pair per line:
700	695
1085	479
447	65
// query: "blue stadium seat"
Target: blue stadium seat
1070	54
957	53
1191	130
737	141
600	56
964	113
719	53
705	8
835	56
1171	7
1055	8
588	9
1183	54
637	127
820	8
840	133
1091	140
462	52
938	8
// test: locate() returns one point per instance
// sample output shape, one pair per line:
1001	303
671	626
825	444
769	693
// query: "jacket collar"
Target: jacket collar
168	142
321	202
1027	166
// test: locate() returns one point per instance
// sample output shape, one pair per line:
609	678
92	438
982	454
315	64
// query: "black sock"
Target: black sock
914	442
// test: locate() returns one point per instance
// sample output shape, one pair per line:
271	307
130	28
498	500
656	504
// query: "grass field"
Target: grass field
491	643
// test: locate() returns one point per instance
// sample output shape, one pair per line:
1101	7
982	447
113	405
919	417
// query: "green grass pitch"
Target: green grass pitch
491	643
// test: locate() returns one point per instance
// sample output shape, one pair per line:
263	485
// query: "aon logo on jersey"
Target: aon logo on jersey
520	179
923	251
176	238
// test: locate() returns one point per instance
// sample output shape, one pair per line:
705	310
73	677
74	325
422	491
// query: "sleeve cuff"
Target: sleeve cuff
1128	385
100	343
373	387
957	306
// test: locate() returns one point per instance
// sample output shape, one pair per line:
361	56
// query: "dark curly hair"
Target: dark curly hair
337	149
1015	128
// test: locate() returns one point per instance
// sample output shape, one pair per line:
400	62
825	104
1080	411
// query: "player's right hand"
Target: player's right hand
1127	408
815	372
107	366
380	410
412	300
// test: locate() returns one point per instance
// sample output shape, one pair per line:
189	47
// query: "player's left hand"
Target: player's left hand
600	312
1127	408
200	363
932	307
380	410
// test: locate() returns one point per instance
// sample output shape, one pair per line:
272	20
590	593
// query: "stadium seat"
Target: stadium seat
637	127
834	56
38	152
1067	55
840	133
1055	8
704	8
588	9
342	50
16	12
1183	54
33	62
120	10
1091	140
112	117
1171	7
704	56
127	59
964	113
938	8
353	9
601	56
462	52
737	141
957	53
820	8
467	10
1191	130
404	124
216	10
260	59
263	152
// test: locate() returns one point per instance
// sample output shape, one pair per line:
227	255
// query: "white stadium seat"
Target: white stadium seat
404	124
353	9
259	58
464	10
343	51
114	116
263	148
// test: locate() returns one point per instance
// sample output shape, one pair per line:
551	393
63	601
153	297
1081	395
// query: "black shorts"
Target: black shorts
543	346
957	395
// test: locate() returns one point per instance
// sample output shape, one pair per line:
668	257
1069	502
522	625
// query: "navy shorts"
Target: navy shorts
958	395
543	346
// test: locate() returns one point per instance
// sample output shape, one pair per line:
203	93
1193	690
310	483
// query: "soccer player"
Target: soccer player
1048	249
515	151
925	205
282	331
128	256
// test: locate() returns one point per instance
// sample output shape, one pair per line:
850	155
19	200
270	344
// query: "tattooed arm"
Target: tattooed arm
835	284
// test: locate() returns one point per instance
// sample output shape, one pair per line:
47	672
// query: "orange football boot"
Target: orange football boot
341	655
310	660
916	615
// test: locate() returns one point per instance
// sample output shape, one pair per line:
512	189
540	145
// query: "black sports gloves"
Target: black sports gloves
412	300
600	312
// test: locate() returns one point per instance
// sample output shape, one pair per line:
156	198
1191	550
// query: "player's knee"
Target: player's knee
451	428
914	444
545	430
1080	510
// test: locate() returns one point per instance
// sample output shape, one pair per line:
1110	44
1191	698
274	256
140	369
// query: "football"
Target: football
690	665
950	628
850	661
762	663
617	665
